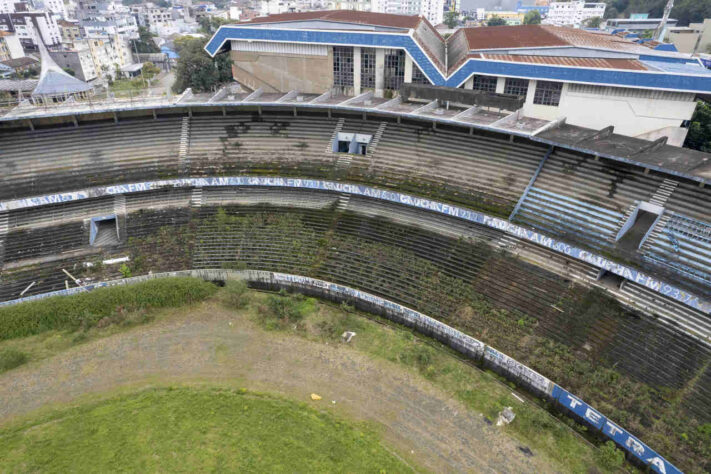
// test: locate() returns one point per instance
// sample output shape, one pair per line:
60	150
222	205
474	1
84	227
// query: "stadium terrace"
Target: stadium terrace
592	79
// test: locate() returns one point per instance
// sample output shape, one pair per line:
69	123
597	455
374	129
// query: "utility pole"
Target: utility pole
659	34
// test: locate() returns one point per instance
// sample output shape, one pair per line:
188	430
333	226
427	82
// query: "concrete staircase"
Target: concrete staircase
4	226
658	229
196	198
376	138
120	211
665	190
183	157
339	127
343	200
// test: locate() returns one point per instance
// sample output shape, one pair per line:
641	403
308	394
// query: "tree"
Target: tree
197	70
593	22
210	24
451	20
532	17
150	70
691	11
496	21
144	43
611	12
699	136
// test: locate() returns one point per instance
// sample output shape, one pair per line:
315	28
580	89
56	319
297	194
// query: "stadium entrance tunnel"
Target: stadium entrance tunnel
104	231
638	226
610	280
354	143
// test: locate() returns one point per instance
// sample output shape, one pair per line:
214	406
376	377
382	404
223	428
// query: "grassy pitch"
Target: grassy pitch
193	429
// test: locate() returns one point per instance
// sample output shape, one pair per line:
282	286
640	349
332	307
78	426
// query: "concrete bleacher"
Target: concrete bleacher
583	199
425	260
691	200
682	244
487	172
61	159
237	144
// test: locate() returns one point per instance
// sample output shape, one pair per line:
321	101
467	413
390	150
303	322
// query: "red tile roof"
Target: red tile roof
602	63
537	36
348	16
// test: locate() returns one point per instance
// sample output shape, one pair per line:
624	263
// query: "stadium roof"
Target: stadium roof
345	16
601	63
547	36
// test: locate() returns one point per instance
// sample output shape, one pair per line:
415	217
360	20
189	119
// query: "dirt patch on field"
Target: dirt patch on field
423	424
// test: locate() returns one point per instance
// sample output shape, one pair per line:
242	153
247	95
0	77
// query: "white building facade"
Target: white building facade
573	13
433	10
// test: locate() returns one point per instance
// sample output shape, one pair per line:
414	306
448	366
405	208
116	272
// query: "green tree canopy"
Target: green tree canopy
699	136
150	70
451	19
197	70
144	43
686	11
496	21
210	24
593	22
532	17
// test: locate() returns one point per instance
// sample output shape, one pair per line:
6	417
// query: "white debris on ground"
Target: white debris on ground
506	416
347	336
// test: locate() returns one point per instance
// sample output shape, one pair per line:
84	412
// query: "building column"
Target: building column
500	85
356	70
469	83
379	72
408	69
530	92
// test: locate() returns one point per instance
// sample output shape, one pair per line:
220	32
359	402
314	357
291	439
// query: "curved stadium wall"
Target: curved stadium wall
523	298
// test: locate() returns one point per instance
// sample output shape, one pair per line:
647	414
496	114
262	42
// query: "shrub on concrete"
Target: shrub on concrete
86	309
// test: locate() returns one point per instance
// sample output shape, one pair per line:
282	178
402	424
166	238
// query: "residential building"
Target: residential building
433	10
511	18
10	46
160	21
573	13
69	31
78	61
56	7
23	64
591	79
636	25
693	39
29	25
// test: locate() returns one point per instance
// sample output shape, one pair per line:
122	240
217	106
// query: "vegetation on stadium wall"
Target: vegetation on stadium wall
656	414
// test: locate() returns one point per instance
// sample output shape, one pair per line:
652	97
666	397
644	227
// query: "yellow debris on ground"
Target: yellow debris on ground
315	397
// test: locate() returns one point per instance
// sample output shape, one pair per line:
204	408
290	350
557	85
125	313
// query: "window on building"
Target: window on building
367	67
516	86
394	68
342	66
418	77
484	83
547	93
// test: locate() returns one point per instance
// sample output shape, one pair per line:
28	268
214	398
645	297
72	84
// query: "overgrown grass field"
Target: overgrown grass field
485	393
84	310
193	430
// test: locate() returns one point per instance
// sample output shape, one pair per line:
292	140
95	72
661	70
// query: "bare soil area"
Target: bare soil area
211	345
